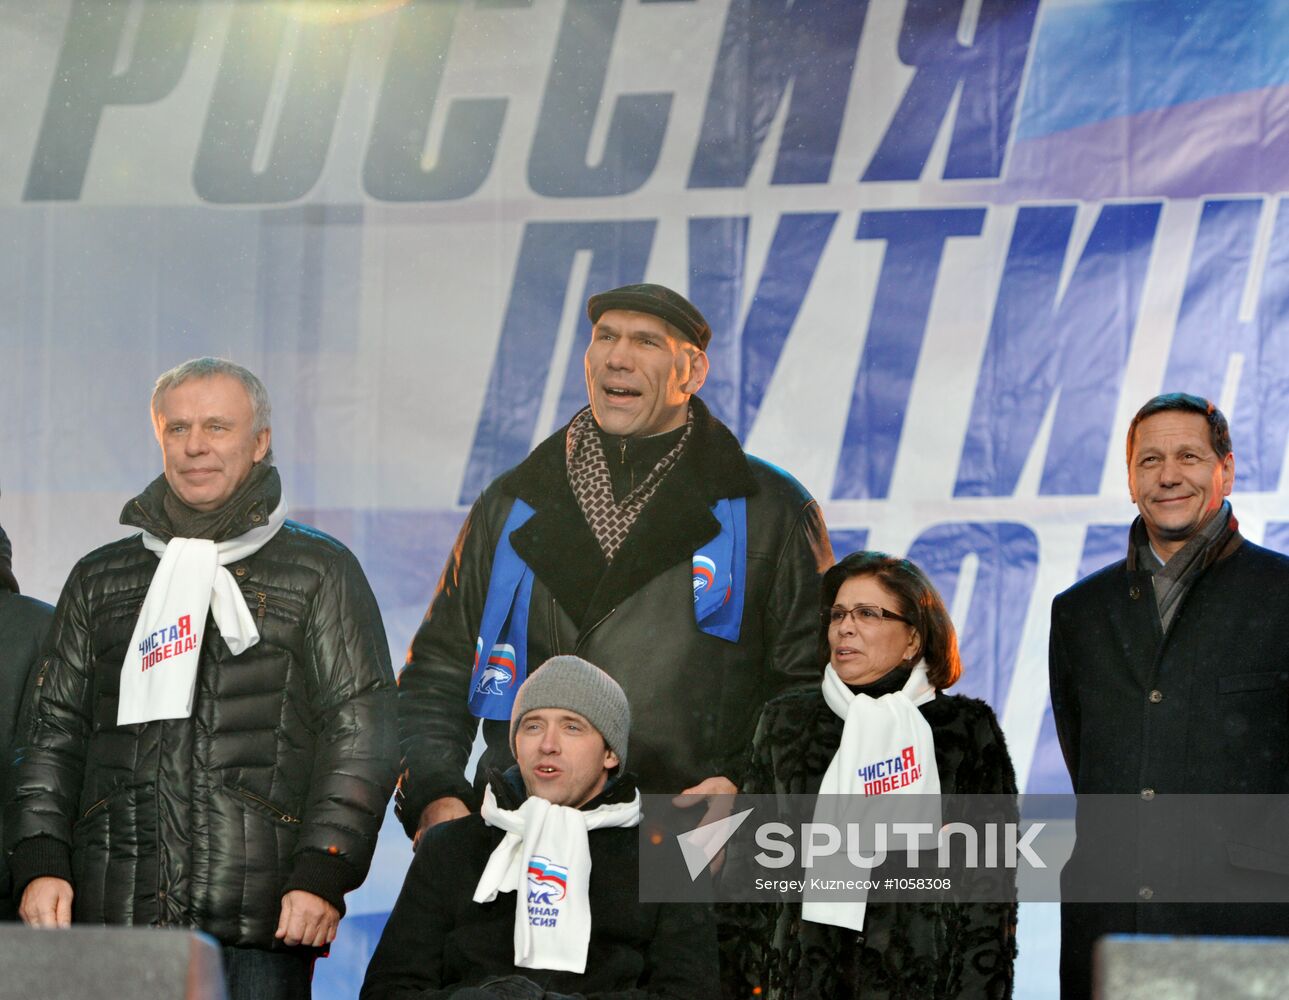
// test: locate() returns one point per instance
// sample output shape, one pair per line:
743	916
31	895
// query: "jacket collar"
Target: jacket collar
557	543
241	514
7	579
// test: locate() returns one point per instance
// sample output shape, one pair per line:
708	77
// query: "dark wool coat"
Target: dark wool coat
439	939
1204	709
278	780
694	697
23	624
907	951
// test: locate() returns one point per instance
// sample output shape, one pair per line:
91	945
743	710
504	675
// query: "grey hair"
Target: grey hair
261	408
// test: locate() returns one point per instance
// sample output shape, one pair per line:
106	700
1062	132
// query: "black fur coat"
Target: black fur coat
927	951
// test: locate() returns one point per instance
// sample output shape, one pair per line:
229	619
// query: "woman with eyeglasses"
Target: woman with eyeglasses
875	726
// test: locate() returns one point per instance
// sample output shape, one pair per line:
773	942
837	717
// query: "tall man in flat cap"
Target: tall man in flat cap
213	742
641	537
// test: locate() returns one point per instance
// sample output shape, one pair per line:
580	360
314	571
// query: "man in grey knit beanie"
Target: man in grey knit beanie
563	702
572	683
525	900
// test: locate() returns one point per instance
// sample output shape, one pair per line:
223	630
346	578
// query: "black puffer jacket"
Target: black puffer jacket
694	697
279	779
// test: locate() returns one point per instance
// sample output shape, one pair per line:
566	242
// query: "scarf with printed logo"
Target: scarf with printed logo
879	735
588	475
545	860
159	675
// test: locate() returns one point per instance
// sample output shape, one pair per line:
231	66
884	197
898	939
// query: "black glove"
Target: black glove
513	987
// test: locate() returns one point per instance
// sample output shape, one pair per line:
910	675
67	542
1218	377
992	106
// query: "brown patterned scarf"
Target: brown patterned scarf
588	475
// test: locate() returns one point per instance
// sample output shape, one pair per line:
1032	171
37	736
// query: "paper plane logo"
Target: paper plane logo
700	846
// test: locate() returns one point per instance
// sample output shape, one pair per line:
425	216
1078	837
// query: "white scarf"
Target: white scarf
546	855
886	748
159	675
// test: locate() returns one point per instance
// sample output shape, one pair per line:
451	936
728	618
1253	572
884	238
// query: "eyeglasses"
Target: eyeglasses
863	615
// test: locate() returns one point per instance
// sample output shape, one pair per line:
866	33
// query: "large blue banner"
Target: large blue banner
947	249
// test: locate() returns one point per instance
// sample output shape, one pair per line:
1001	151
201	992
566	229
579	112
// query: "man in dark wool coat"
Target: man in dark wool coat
1170	675
537	897
641	537
23	624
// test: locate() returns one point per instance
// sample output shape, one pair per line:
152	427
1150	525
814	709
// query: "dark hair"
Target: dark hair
917	600
1219	433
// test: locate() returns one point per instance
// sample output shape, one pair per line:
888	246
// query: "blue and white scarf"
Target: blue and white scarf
501	649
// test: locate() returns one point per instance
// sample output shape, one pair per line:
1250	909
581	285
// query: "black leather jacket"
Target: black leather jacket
279	779
694	697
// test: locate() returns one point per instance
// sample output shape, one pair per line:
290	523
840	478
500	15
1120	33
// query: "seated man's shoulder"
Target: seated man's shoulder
462	846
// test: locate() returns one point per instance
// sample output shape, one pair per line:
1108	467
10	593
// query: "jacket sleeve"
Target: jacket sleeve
356	757
436	728
24	624
408	961
50	768
791	617
1065	700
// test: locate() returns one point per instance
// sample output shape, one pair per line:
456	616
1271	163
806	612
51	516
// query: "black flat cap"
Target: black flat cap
656	300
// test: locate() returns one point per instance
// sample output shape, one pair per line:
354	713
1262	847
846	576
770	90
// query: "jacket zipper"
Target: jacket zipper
93	809
284	817
622	459
259	611
34	701
587	634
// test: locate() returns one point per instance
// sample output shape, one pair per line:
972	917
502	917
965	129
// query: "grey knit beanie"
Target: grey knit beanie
571	683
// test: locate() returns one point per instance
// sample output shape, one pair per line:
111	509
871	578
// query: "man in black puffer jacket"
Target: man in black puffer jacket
228	772
555	850
23	624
